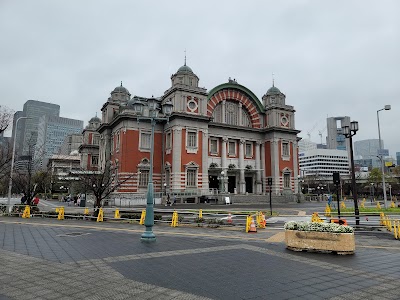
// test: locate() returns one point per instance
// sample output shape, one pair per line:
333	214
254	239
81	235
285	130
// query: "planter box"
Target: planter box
341	243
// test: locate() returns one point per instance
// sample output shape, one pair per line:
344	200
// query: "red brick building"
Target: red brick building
223	140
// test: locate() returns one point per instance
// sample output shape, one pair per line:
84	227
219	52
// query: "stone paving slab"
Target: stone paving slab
108	261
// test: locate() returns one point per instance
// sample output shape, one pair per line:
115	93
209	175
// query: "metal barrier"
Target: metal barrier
392	225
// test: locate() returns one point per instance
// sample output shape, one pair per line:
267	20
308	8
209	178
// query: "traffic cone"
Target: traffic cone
253	228
229	220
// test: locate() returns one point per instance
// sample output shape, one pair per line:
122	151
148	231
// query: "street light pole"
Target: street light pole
349	132
387	107
12	164
148	235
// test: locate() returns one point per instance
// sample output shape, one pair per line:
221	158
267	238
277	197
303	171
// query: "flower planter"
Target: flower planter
341	243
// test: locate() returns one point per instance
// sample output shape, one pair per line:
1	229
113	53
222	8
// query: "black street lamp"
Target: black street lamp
148	235
349	132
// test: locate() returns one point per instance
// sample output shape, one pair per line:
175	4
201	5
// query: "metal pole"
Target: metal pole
353	181
148	235
382	163
270	199
338	201
12	165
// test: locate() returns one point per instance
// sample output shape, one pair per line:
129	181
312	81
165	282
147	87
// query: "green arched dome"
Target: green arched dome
184	68
273	91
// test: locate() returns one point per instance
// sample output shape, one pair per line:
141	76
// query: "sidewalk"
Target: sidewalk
73	259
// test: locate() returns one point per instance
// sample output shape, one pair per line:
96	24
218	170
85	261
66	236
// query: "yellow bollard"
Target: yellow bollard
142	217
27	212
100	216
200	214
60	213
382	215
378	205
117	216
342	204
248	222
392	205
327	210
86	211
362	204
174	222
315	218
395	229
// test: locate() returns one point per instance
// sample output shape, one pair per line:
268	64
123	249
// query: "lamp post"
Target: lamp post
12	164
148	235
372	192
387	107
349	132
165	188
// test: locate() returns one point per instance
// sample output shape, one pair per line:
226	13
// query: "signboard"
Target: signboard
388	164
383	152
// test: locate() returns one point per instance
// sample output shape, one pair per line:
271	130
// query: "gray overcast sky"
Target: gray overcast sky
330	58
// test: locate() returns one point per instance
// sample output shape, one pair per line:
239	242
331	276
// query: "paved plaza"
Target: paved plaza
77	259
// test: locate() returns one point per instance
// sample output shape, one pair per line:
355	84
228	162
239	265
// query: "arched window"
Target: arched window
234	114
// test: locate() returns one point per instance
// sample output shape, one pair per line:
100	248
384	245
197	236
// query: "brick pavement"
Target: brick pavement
70	259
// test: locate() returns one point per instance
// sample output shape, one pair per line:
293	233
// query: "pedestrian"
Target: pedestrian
35	200
78	203
168	200
173	202
23	199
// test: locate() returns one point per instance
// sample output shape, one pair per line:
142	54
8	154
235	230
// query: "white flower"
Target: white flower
317	226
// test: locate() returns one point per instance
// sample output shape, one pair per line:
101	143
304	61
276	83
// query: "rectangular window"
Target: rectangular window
214	146
145	140
249	149
286	180
231	148
143	178
117	142
168	141
95	160
285	149
191	178
192	139
96	139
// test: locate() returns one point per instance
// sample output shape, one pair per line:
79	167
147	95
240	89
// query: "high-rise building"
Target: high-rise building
306	145
52	131
368	150
34	110
336	138
397	158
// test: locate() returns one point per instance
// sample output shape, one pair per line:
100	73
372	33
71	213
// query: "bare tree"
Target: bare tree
6	116
101	183
5	159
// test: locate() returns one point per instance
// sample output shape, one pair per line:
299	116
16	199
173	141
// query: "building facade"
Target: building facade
34	110
89	149
224	140
335	138
323	162
52	131
368	149
71	143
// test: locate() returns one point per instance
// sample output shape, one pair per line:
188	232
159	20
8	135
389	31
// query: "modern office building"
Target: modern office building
335	138
52	131
397	158
33	110
225	139
368	149
323	162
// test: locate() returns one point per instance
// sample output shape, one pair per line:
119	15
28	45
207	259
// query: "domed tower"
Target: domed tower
278	114
185	93
119	97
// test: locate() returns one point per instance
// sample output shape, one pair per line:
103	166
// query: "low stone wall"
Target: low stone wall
342	243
